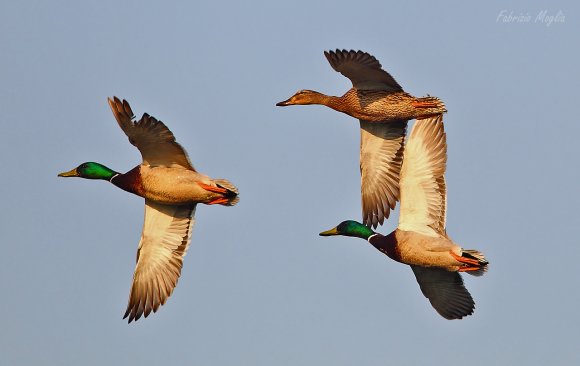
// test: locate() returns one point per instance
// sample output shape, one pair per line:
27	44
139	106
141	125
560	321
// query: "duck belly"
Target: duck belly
176	186
426	251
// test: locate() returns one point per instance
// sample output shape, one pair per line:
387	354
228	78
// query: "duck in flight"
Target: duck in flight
172	188
383	109
421	239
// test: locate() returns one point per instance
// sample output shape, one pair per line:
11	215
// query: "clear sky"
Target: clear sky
259	286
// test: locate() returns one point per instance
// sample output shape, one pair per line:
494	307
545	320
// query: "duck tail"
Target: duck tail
231	191
430	106
481	265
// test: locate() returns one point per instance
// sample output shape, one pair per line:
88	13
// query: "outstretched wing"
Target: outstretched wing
153	139
363	70
381	157
423	190
445	291
164	242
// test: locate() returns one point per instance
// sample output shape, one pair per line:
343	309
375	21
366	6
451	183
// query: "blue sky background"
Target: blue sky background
259	286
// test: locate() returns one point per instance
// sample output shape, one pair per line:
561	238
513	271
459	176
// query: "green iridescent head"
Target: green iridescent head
90	170
350	228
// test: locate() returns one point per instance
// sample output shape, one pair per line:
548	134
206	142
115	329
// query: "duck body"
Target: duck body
174	186
383	106
412	248
421	239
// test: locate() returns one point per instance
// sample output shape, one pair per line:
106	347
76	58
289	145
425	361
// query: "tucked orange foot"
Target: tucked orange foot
417	104
212	188
467	269
218	201
473	262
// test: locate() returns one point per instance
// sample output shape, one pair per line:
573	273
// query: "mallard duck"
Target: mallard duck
383	109
421	240
172	188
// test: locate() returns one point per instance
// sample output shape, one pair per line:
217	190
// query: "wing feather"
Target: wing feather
164	242
423	189
153	139
363	70
381	157
445	291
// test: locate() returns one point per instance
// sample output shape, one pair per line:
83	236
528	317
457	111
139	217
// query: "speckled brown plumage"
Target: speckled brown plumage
380	103
382	106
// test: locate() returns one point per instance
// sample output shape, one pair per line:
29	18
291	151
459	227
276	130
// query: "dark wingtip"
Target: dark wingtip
129	314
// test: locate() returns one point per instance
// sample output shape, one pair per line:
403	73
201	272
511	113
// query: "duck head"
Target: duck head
304	97
90	170
350	228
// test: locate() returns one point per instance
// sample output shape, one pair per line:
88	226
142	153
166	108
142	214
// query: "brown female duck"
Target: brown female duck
383	109
421	240
172	188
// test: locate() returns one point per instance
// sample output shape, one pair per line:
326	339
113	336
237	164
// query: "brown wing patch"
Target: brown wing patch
381	157
152	137
363	70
